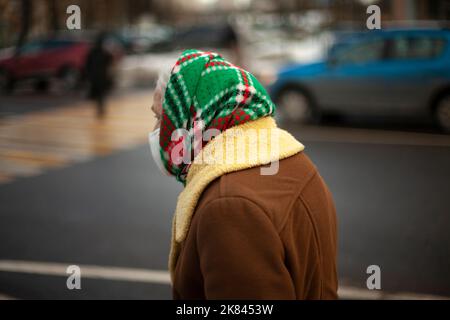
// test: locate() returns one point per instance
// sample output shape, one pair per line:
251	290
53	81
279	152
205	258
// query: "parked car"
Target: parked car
136	41
145	68
393	72
42	60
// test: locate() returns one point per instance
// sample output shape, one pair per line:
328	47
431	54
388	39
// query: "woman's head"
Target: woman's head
203	91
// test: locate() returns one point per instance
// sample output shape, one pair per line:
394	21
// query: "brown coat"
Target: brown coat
261	237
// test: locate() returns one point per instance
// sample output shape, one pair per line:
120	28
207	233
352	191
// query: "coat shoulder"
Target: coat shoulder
275	194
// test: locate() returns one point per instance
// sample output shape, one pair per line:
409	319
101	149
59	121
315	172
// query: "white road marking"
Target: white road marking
353	293
163	277
87	271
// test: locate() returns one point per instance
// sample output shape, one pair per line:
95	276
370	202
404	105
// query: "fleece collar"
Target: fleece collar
204	169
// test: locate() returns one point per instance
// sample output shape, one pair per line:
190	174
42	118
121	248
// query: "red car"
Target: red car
43	60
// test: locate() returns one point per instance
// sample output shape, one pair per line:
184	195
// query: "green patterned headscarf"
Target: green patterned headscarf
204	92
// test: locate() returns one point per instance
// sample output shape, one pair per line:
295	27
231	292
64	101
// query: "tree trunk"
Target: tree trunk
52	8
26	12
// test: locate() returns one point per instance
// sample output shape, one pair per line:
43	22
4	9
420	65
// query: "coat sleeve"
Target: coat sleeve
241	254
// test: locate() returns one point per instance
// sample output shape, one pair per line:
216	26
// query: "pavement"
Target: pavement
107	209
53	135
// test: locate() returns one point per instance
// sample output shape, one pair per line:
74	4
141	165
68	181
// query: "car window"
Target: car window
204	37
56	44
30	48
360	52
416	48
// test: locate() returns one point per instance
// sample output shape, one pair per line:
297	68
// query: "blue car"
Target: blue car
402	73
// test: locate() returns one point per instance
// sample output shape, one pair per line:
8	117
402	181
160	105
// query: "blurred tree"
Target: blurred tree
26	12
52	8
135	9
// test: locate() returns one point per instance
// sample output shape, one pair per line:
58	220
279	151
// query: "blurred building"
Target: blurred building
355	9
420	9
44	16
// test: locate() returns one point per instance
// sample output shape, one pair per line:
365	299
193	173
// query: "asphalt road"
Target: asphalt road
393	204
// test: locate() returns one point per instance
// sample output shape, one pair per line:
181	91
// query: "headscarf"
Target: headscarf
205	92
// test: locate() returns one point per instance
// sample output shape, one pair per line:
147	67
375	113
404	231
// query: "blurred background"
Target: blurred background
77	182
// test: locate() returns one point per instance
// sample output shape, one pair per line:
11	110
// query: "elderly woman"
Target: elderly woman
255	219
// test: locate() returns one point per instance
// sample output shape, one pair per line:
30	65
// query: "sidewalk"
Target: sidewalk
35	142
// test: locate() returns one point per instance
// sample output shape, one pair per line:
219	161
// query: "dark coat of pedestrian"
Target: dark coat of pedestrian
99	73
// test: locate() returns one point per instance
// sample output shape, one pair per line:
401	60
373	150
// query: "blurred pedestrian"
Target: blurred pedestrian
245	229
99	73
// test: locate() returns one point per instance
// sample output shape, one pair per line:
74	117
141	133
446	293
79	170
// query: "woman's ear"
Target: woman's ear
157	104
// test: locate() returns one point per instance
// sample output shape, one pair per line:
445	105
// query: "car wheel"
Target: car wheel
442	113
70	78
6	82
294	105
41	85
